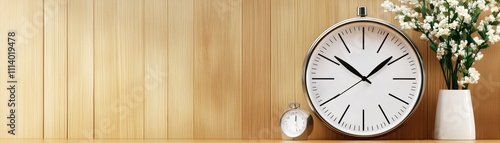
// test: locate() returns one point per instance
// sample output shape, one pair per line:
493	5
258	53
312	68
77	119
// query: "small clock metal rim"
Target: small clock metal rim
304	113
353	20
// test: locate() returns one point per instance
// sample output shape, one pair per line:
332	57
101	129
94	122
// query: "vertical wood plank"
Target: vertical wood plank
180	68
217	69
119	69
283	77
313	17
256	70
80	69
25	17
485	95
155	44
55	69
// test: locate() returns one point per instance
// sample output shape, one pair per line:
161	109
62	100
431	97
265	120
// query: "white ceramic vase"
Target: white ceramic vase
454	116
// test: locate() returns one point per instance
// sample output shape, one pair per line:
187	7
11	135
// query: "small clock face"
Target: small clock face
363	77
293	123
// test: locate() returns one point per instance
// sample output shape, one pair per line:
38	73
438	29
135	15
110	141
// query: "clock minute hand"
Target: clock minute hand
379	66
352	70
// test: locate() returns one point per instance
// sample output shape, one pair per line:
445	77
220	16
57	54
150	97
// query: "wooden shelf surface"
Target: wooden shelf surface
232	141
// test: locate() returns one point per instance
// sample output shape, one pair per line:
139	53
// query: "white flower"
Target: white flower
423	37
479	56
461	11
454	46
428	19
478	41
440	53
474	75
490	18
463	43
453	25
494	9
461	52
467	19
480	27
426	26
443	32
465	80
453	2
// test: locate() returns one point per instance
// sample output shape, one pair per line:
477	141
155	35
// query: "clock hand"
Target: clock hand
340	93
352	70
379	66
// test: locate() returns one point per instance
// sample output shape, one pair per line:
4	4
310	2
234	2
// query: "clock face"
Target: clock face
363	77
293	123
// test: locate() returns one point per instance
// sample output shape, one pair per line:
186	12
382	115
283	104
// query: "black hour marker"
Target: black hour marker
382	42
323	78
344	44
363	118
387	119
344	112
399	99
329	59
403	78
363	38
398	59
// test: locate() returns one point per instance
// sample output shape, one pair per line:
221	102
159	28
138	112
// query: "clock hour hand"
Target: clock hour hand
379	66
353	70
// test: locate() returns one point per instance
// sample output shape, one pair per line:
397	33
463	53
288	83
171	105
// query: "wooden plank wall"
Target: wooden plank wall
188	68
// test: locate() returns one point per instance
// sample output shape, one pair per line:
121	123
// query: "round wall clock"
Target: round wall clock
363	76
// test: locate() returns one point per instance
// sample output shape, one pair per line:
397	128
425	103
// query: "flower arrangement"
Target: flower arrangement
453	31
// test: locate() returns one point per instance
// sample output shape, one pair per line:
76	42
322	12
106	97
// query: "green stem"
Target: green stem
444	73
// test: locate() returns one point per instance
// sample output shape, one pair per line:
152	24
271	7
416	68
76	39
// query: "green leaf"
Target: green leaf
483	46
432	6
476	15
407	19
418	9
433	47
454	17
495	23
446	4
424	11
474	29
453	33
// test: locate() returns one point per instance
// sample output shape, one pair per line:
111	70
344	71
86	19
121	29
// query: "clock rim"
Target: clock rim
377	21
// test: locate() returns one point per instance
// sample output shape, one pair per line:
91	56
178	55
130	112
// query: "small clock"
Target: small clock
295	123
363	77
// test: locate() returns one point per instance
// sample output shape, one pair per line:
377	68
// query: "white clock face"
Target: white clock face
363	78
293	123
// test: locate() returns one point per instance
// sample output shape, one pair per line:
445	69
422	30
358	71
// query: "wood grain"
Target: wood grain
155	64
80	69
485	99
217	69
237	141
311	22
119	69
180	68
55	69
256	69
283	66
25	18
190	69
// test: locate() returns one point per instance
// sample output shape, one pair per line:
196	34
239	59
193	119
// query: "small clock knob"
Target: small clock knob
362	11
